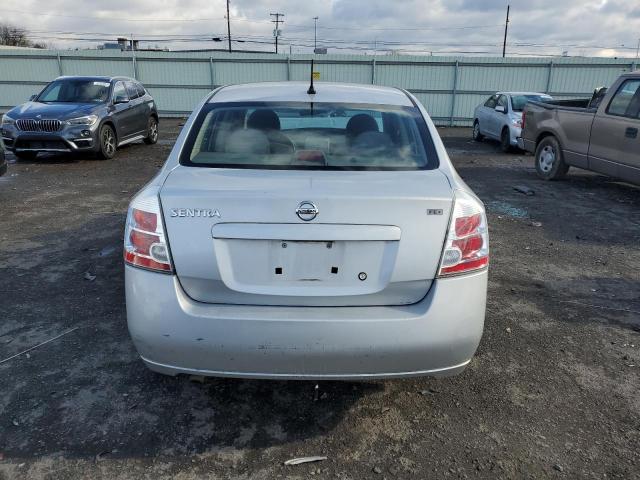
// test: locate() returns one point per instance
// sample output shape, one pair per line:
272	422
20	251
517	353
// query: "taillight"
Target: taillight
524	116
145	244
467	245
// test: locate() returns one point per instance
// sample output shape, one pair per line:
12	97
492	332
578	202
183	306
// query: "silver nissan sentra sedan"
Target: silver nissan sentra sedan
298	235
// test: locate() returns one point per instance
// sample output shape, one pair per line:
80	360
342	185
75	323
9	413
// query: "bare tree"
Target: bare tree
16	37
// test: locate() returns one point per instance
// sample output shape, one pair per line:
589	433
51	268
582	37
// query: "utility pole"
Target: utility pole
315	34
228	26
506	28
277	21
638	49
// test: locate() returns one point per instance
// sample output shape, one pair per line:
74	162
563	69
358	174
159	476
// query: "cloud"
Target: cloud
544	27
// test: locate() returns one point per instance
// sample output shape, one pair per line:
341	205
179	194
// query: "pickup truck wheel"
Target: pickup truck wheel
505	140
549	162
107	143
477	136
152	131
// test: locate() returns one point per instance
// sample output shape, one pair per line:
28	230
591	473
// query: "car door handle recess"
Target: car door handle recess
631	132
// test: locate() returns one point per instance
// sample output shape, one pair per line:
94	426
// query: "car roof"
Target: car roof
94	78
633	74
523	93
326	92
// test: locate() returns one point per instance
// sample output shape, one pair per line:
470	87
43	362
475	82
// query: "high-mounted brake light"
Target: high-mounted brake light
145	244
467	245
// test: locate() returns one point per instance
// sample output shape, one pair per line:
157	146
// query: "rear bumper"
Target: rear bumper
527	145
174	334
514	134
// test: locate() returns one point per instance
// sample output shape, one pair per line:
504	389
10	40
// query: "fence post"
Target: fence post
212	73
135	66
373	71
453	93
549	77
288	69
633	66
59	64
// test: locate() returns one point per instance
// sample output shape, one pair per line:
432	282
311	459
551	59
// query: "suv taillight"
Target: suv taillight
467	246
145	244
524	117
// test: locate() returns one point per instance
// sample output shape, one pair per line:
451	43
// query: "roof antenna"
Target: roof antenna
311	91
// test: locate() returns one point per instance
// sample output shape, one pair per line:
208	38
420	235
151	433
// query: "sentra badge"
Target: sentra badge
195	212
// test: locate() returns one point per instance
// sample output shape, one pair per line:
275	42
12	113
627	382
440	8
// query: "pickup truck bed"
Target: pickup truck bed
599	134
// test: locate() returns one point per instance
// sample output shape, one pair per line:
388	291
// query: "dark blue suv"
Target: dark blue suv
82	114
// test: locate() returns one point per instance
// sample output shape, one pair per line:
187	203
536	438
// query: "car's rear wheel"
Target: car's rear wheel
107	143
152	131
477	136
26	155
550	164
505	140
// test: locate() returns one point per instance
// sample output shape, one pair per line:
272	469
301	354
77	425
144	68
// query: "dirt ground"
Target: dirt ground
553	392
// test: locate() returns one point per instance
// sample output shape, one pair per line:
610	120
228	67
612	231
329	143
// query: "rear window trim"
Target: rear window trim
433	161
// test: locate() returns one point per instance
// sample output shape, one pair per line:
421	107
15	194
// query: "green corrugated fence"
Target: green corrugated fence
449	87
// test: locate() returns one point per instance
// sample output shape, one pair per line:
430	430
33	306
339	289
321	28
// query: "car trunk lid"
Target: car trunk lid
235	236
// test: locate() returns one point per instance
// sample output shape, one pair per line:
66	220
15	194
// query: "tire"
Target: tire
505	140
548	159
152	131
26	155
108	143
477	136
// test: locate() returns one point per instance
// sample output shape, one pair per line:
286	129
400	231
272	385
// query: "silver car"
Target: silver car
307	236
500	117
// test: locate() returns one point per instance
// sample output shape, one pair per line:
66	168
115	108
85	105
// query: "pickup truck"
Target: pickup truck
598	134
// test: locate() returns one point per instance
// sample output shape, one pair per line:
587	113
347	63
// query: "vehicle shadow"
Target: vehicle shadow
50	158
584	207
71	157
580	299
87	393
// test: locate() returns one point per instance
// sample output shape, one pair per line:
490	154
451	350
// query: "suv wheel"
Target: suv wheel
477	136
152	131
107	143
549	162
26	155
505	140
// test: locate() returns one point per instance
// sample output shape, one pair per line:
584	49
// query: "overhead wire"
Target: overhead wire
333	43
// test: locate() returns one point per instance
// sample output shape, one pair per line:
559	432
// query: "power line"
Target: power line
467	27
335	43
206	37
247	20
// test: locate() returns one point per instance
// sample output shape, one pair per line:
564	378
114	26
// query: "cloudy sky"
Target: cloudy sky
537	27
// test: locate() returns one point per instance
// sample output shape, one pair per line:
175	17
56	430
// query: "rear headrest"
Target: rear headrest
361	123
264	119
372	141
247	141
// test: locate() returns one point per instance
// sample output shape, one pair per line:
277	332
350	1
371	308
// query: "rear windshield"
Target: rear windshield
519	101
309	136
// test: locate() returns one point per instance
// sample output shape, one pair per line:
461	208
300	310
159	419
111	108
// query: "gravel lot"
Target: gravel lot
553	392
